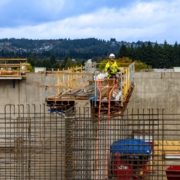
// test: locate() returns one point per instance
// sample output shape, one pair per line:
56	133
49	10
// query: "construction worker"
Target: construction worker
111	67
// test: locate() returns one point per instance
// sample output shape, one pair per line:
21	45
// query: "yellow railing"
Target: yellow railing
126	80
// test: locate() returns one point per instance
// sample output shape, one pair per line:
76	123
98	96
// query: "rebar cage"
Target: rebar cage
37	144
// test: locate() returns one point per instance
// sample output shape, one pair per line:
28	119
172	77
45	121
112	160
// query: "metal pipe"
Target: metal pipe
97	150
122	100
107	149
95	93
110	93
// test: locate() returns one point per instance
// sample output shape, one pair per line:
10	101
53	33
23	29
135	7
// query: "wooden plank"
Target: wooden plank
66	99
63	97
49	72
65	72
60	99
166	146
172	152
13	59
10	75
14	71
14	65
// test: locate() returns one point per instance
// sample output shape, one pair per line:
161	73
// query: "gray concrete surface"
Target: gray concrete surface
25	91
152	90
156	90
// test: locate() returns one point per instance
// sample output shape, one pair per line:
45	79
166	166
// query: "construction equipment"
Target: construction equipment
107	97
173	172
129	159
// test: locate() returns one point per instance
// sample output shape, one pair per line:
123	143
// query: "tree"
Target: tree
101	64
57	65
45	63
30	68
150	54
69	63
52	59
125	62
123	51
175	56
31	60
158	61
78	63
139	66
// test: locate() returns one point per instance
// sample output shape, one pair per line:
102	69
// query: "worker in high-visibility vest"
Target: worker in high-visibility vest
111	67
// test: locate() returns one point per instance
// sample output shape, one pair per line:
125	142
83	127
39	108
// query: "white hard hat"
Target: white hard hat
23	67
111	56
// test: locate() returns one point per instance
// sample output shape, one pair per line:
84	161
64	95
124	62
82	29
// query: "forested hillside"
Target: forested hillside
157	56
64	53
61	48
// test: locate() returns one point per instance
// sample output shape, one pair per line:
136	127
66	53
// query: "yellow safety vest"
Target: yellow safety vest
111	67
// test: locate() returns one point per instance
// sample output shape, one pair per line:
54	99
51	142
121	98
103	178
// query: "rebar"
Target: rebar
37	144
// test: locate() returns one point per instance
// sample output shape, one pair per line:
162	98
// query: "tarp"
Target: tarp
131	146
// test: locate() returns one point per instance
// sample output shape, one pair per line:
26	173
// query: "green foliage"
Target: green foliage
125	62
101	65
52	59
31	60
78	63
123	51
69	63
30	68
52	63
139	66
57	65
89	48
44	63
155	56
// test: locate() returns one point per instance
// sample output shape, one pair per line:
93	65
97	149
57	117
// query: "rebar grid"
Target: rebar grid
36	144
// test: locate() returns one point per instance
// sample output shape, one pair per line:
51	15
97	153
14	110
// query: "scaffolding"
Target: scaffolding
107	96
37	144
13	68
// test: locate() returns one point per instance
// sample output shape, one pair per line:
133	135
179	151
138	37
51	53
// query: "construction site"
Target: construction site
76	124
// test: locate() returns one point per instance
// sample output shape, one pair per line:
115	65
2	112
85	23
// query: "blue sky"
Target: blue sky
125	20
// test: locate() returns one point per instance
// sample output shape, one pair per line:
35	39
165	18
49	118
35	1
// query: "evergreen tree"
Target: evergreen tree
123	51
78	63
150	54
52	59
69	63
31	60
175	59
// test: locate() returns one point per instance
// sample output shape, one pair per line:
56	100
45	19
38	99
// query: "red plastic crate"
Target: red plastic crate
173	173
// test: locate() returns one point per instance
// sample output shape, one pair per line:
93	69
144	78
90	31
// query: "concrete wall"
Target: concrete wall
156	90
25	91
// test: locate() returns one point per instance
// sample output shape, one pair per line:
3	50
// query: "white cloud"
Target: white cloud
154	21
